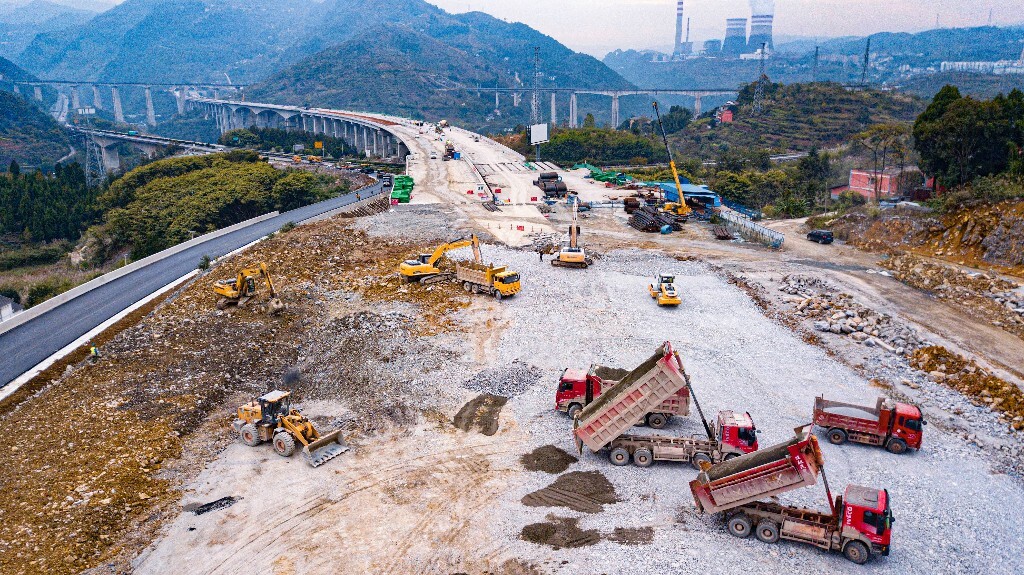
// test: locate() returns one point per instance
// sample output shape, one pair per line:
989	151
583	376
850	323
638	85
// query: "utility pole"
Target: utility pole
761	81
814	70
867	61
535	101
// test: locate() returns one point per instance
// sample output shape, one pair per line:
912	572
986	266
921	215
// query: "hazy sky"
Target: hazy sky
599	26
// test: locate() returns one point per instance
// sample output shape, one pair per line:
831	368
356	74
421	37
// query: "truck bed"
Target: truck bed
640	392
760	474
828	413
677	404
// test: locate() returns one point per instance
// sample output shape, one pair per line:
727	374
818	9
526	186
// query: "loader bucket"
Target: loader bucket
325	449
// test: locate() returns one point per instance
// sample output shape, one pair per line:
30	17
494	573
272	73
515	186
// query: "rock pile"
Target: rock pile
505	381
837	313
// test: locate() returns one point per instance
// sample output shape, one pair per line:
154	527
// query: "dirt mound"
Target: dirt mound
584	491
548	458
632	535
967	377
481	413
560	532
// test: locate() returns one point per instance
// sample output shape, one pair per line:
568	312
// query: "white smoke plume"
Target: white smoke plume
762	7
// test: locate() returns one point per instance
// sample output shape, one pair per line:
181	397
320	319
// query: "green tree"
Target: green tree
589	121
886	143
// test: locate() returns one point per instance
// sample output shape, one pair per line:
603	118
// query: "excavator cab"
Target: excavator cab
242	288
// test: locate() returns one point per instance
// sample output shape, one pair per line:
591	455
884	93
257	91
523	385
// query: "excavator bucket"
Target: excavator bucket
325	449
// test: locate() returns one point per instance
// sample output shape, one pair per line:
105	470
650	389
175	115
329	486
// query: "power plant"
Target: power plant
683	48
735	37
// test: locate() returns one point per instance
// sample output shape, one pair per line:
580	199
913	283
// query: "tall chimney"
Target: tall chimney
679	28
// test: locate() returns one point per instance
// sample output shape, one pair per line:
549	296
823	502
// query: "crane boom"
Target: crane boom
672	163
573	228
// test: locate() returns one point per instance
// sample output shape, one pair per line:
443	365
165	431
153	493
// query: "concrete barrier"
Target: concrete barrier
69	295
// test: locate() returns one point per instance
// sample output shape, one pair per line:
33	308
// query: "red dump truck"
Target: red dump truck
858	524
895	426
602	424
578	388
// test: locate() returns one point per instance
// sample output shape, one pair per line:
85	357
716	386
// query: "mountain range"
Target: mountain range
20	23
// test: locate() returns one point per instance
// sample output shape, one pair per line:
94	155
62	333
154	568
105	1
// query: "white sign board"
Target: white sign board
538	134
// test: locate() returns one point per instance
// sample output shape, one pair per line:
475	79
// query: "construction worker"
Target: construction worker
94	352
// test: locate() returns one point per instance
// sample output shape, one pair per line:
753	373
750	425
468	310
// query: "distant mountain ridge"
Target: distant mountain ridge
21	23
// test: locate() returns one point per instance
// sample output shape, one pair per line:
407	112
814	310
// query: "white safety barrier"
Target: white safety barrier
752	231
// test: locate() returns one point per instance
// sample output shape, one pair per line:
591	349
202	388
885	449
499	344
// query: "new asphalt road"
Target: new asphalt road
25	346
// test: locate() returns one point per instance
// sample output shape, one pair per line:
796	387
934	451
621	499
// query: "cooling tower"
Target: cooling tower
760	32
735	37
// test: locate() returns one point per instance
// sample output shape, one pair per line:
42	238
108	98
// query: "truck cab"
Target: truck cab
866	523
736	432
907	424
575	391
507	283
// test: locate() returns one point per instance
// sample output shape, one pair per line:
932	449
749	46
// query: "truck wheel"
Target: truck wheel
656	420
730	456
573	410
619	456
700	458
767	531
897	446
249	435
836	436
476	288
739	526
284	443
643	458
857	552
497	295
467	286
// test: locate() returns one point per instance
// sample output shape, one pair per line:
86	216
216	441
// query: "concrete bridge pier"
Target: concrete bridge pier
115	96
516	98
573	111
76	101
554	109
150	111
17	90
615	111
696	106
497	104
37	93
97	101
109	156
179	99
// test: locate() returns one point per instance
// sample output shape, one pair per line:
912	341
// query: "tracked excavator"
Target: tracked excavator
424	268
242	288
678	209
270	417
572	255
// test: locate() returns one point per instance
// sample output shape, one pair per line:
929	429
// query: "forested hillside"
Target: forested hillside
28	135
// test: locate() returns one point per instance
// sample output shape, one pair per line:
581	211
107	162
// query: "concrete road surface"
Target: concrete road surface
27	345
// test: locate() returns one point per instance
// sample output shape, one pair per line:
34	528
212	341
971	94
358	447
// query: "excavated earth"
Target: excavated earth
459	461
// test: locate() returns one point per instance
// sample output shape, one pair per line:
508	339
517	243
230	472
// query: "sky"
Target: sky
597	27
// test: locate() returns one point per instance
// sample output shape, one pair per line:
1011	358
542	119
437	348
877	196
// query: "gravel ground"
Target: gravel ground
954	510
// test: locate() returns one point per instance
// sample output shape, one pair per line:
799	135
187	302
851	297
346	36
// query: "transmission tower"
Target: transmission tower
762	79
814	70
535	97
867	62
94	171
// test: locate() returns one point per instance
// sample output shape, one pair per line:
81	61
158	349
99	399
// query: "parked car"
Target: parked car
821	236
433	155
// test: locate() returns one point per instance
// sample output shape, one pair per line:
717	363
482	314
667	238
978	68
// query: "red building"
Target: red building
726	117
864	182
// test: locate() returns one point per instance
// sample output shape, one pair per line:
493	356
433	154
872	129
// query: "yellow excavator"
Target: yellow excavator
572	255
679	209
270	417
664	290
241	289
424	269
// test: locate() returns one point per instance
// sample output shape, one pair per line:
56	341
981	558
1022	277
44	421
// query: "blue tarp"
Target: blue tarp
695	193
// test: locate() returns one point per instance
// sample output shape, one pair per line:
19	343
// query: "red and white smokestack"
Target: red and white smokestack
679	27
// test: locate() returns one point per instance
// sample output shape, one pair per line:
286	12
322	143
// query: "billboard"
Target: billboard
538	134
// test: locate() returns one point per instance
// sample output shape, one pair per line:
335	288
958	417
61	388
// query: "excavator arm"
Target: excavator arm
477	257
445	248
266	276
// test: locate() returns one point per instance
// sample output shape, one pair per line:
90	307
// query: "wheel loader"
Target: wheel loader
664	290
241	289
270	417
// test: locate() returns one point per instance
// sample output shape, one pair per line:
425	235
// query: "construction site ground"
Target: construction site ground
459	461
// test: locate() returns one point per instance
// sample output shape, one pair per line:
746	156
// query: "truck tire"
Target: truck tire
896	446
698	458
467	286
475	288
739	526
643	457
836	436
656	420
729	456
574	409
249	435
857	552
284	443
767	531
497	295
619	456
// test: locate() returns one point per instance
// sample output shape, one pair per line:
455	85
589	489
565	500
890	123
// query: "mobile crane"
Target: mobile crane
680	209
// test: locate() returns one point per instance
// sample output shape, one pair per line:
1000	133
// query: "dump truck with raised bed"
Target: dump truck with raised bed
499	282
578	388
895	426
858	524
602	424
